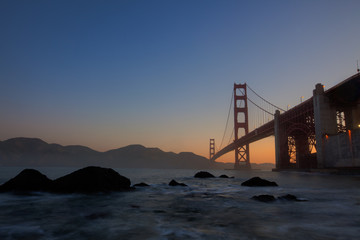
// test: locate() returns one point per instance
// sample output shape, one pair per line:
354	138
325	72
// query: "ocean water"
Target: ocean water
206	209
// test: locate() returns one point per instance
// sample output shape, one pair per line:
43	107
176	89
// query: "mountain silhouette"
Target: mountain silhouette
36	152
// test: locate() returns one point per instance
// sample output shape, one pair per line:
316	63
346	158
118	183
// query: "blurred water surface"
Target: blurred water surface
207	209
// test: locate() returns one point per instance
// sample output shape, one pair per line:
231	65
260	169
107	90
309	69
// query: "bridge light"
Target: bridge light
349	132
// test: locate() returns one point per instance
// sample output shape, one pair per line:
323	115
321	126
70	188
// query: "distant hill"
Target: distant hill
34	152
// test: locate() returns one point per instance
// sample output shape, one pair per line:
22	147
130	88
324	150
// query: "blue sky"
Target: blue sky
107	74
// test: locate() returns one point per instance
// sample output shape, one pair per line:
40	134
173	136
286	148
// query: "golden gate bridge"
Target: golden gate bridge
321	132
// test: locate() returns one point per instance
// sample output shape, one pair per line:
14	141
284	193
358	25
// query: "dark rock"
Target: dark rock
223	176
92	180
258	182
264	198
27	181
204	175
290	197
175	183
141	185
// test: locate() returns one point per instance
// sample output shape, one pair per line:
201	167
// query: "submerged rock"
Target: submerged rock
264	198
290	197
142	184
91	180
203	174
258	182
270	198
223	176
175	183
28	180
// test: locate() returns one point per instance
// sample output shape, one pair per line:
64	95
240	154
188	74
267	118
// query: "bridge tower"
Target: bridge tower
241	122
212	148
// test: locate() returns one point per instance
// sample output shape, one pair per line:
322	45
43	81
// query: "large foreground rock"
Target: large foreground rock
86	180
258	182
29	180
91	180
203	174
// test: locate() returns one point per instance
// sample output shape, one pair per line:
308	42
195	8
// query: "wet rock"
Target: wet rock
175	183
86	180
290	197
203	174
142	184
91	180
258	182
223	176
27	181
264	198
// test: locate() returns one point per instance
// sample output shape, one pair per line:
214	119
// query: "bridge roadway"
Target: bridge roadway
267	129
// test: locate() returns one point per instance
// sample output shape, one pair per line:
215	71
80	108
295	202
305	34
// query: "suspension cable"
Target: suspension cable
231	137
264	111
260	107
264	100
227	121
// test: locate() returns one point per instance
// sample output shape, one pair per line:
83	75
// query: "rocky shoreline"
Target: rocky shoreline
92	180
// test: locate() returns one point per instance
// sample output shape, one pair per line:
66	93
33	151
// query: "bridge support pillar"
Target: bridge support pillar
212	148
241	122
325	122
352	116
277	138
281	143
302	151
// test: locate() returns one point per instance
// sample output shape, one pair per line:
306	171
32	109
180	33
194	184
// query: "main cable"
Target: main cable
260	107
264	99
227	121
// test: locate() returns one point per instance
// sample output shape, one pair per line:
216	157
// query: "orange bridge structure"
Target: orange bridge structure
321	132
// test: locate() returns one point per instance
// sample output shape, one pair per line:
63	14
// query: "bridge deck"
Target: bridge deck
345	93
264	131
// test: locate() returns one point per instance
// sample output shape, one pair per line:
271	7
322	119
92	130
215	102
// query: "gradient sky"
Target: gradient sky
106	74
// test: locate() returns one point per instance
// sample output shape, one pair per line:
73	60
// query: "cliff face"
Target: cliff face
35	152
